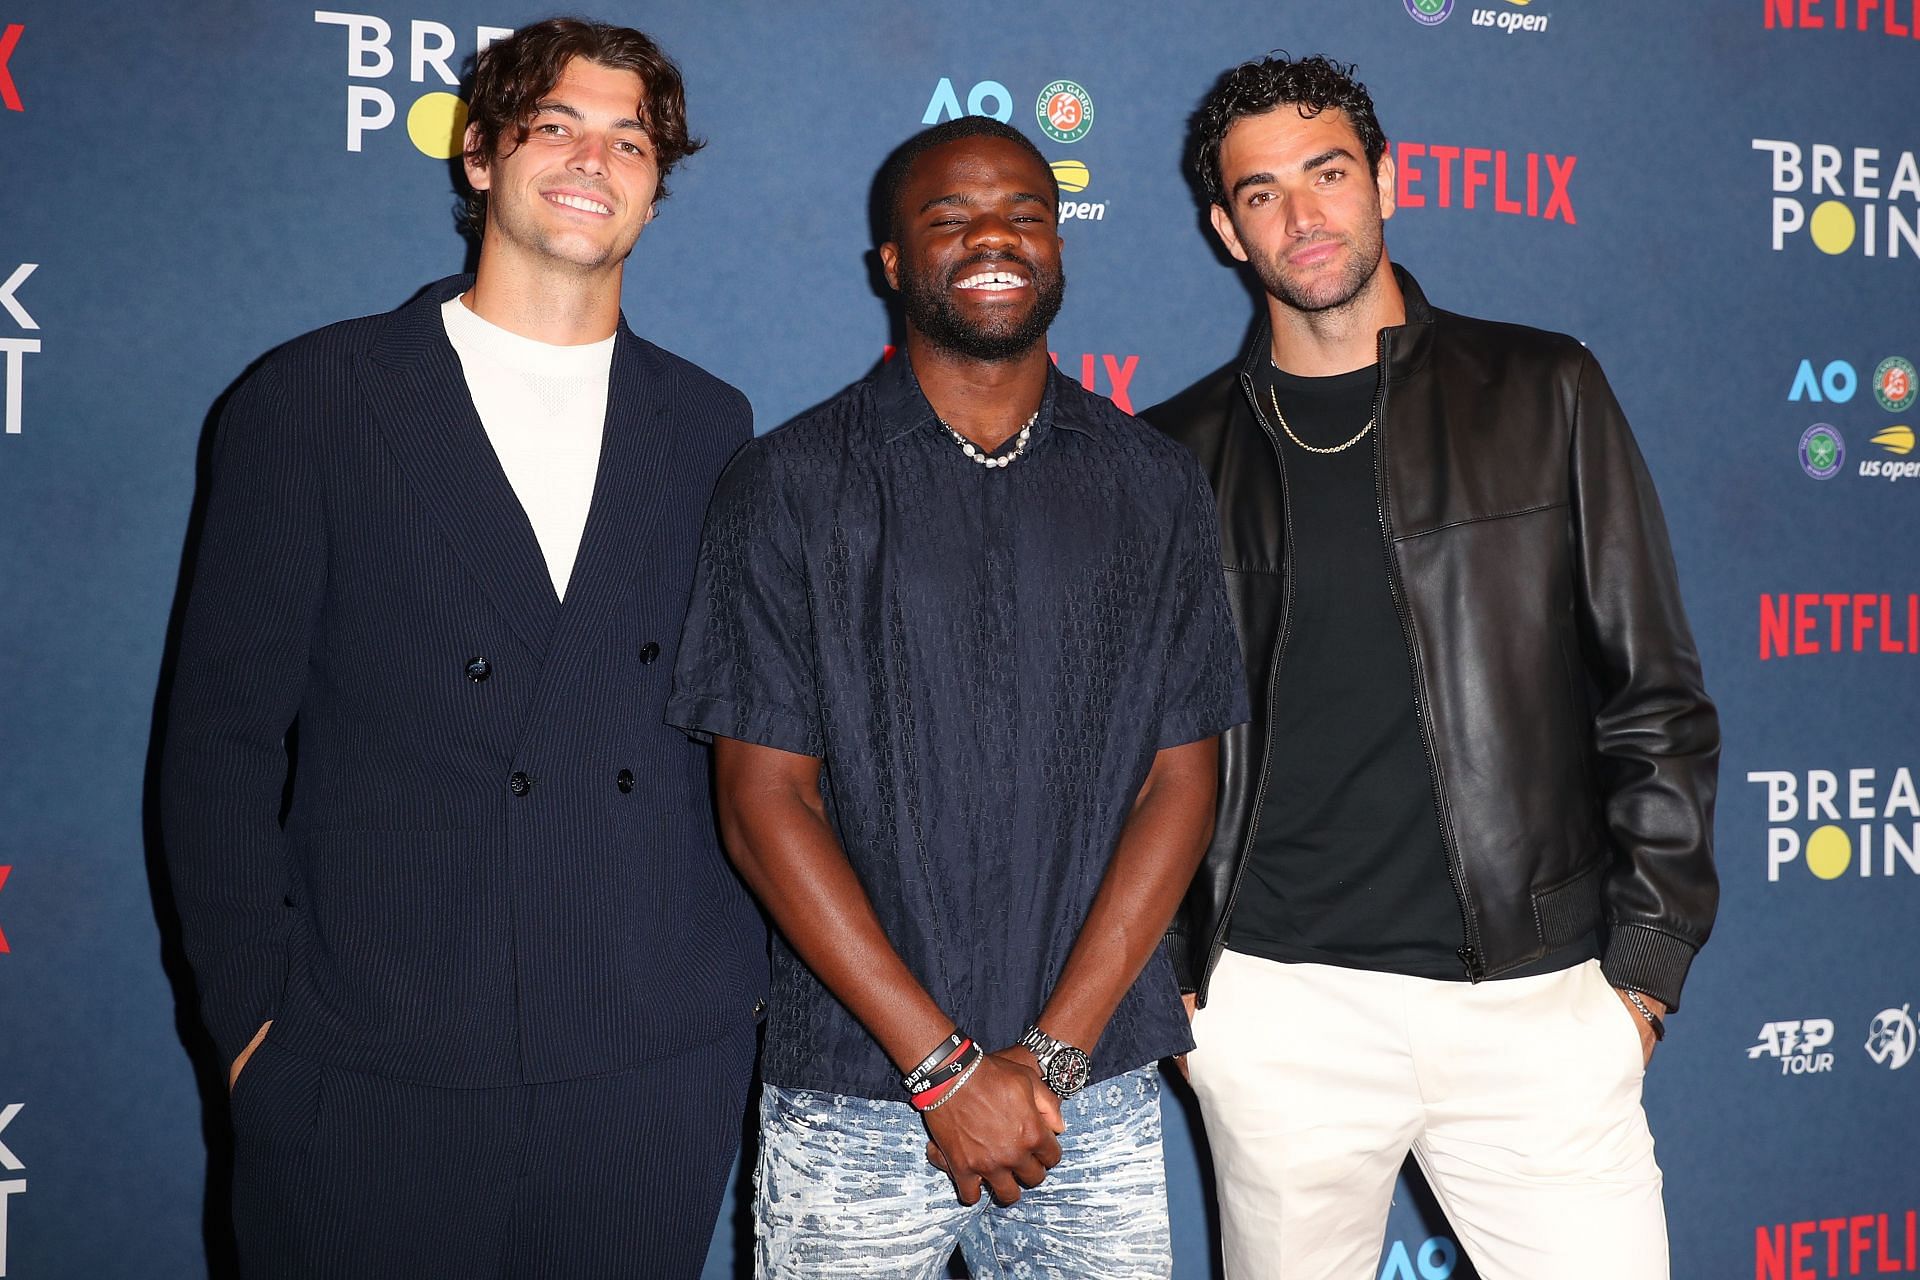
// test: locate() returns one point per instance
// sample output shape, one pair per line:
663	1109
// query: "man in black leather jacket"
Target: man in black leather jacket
1463	855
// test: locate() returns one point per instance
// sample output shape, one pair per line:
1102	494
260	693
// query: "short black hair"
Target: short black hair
893	175
1309	85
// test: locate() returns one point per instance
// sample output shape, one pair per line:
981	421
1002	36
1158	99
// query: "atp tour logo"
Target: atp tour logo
9	41
15	350
9	1187
1896	17
1859	214
1877	835
1798	1046
437	120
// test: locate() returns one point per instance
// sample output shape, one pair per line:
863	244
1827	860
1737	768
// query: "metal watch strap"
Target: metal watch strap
1046	1050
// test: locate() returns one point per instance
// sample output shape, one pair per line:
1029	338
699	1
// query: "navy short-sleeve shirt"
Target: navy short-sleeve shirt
986	659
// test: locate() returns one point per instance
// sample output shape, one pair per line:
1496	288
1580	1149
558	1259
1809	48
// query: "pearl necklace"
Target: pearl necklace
979	455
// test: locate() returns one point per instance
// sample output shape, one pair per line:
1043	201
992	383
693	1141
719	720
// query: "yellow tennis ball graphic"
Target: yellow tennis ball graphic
1832	227
437	123
1071	175
1829	852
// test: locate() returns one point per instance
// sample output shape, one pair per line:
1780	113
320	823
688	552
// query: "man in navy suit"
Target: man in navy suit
485	981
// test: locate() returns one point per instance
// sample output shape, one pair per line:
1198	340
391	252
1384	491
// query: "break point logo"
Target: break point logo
1065	112
1429	13
1822	451
1857	823
1893	384
437	120
1871	203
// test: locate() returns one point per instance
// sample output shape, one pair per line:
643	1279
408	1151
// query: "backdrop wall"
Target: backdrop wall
1720	198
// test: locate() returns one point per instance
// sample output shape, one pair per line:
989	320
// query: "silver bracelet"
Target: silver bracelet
1653	1019
959	1082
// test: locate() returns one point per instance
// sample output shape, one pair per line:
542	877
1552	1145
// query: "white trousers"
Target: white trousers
1520	1099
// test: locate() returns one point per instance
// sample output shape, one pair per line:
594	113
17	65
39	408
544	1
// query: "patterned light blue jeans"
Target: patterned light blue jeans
843	1189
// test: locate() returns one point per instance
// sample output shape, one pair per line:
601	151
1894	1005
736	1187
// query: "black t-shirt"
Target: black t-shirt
1347	865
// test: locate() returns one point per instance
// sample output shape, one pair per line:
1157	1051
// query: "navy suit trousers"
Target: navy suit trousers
339	1173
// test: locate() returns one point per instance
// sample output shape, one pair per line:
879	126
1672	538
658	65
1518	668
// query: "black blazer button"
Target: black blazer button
624	781
478	669
519	783
648	652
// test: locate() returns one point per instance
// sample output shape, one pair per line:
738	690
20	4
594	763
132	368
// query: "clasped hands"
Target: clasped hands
999	1130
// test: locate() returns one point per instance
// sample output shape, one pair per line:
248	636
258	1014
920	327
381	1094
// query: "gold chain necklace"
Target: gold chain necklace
1312	448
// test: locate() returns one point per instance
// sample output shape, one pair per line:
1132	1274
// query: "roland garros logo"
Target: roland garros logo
1065	111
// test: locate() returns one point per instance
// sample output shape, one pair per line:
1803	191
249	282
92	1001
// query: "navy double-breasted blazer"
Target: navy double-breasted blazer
497	864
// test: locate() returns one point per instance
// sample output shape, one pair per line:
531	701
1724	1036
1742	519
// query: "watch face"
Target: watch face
1067	1072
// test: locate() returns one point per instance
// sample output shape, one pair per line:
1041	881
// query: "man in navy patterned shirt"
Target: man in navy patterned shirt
961	642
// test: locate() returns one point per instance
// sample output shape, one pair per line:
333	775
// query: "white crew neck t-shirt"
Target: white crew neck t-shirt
544	408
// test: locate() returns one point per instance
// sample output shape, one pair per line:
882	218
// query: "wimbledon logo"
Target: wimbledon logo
1429	13
1822	451
1065	112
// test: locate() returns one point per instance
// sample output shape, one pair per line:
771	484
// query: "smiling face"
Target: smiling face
976	252
1302	208
578	191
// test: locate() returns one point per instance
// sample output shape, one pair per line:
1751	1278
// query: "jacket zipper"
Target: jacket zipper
1469	954
1219	943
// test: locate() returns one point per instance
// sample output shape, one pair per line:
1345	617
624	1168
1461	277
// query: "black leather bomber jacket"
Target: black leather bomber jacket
1570	742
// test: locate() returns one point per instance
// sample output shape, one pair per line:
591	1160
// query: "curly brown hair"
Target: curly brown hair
1310	85
514	75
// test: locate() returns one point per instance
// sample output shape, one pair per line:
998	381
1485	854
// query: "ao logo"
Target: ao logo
945	103
1834	384
1433	1259
437	120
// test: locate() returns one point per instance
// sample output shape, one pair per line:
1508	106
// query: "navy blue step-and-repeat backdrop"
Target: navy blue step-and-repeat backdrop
1721	198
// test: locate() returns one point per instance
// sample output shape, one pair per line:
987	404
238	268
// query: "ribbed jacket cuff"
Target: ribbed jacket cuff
1648	961
1184	971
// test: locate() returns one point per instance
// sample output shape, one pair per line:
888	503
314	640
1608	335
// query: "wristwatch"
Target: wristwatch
1062	1066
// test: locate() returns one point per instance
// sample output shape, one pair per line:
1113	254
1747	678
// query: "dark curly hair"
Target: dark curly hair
899	164
514	75
1310	85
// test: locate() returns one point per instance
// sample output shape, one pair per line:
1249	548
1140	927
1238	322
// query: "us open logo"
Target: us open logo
1065	111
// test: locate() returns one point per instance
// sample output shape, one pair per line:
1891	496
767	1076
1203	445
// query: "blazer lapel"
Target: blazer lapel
633	466
419	397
